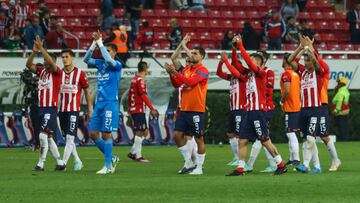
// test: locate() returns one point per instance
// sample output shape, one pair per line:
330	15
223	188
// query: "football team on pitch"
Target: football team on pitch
304	101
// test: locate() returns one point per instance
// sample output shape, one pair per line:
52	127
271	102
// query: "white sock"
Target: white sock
44	148
193	149
277	159
185	152
137	145
332	151
200	160
68	148
55	151
235	147
241	163
75	153
269	157
293	146
308	150
255	150
315	157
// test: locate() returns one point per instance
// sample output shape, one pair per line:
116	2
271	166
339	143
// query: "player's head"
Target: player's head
197	54
67	57
35	20
47	64
290	20
308	62
264	55
174	23
112	49
143	67
257	59
286	64
115	26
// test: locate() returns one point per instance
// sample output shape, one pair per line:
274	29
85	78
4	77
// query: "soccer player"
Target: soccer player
106	113
137	99
237	103
193	103
73	82
290	104
323	133
312	75
269	88
49	85
180	68
255	124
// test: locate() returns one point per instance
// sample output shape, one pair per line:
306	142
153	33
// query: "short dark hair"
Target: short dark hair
201	51
263	54
112	46
258	56
53	56
141	66
67	51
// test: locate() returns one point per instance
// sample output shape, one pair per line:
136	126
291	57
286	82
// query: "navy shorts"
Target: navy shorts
269	115
69	122
309	120
292	121
235	119
48	119
324	122
190	123
255	126
138	122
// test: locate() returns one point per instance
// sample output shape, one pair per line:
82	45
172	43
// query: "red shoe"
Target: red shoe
141	159
132	156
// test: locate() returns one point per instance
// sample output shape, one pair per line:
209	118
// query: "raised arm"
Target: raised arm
170	69
246	56
87	58
39	43
105	53
236	63
176	54
30	61
221	73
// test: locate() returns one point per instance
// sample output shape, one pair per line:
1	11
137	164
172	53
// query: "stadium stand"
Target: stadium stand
79	17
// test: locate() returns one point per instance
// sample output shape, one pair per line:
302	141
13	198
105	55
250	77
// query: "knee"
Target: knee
94	135
310	140
325	139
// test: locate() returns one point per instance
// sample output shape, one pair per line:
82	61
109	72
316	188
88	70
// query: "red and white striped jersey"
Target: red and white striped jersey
137	89
21	14
311	85
255	91
49	86
270	78
4	28
70	91
237	94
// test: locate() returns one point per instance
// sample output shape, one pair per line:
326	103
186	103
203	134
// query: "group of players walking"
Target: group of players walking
304	101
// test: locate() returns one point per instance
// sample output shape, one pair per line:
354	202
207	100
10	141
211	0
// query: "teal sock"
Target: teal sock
100	143
108	152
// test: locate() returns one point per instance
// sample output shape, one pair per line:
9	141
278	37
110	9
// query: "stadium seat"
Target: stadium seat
147	13
174	13
119	13
253	15
317	15
161	13
333	47
290	47
55	12
75	22
321	47
200	24
247	4
221	3
200	14
210	3
205	37
187	14
340	16
80	12
260	4
227	14
347	47
164	45
94	12
218	36
186	23
239	14
329	15
214	14
304	15
227	24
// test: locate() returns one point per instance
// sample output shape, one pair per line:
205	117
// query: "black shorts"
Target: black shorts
190	123
292	121
269	115
48	119
324	122
309	120
235	119
69	122
139	122
255	126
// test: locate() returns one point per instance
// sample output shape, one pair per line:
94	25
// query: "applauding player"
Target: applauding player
105	118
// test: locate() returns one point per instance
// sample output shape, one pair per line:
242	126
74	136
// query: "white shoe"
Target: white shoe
104	171
196	171
335	165
78	166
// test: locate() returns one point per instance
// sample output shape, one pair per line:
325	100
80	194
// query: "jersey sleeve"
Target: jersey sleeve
201	75
286	77
270	79
84	83
141	86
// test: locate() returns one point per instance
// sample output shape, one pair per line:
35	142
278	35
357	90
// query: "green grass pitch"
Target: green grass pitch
158	181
